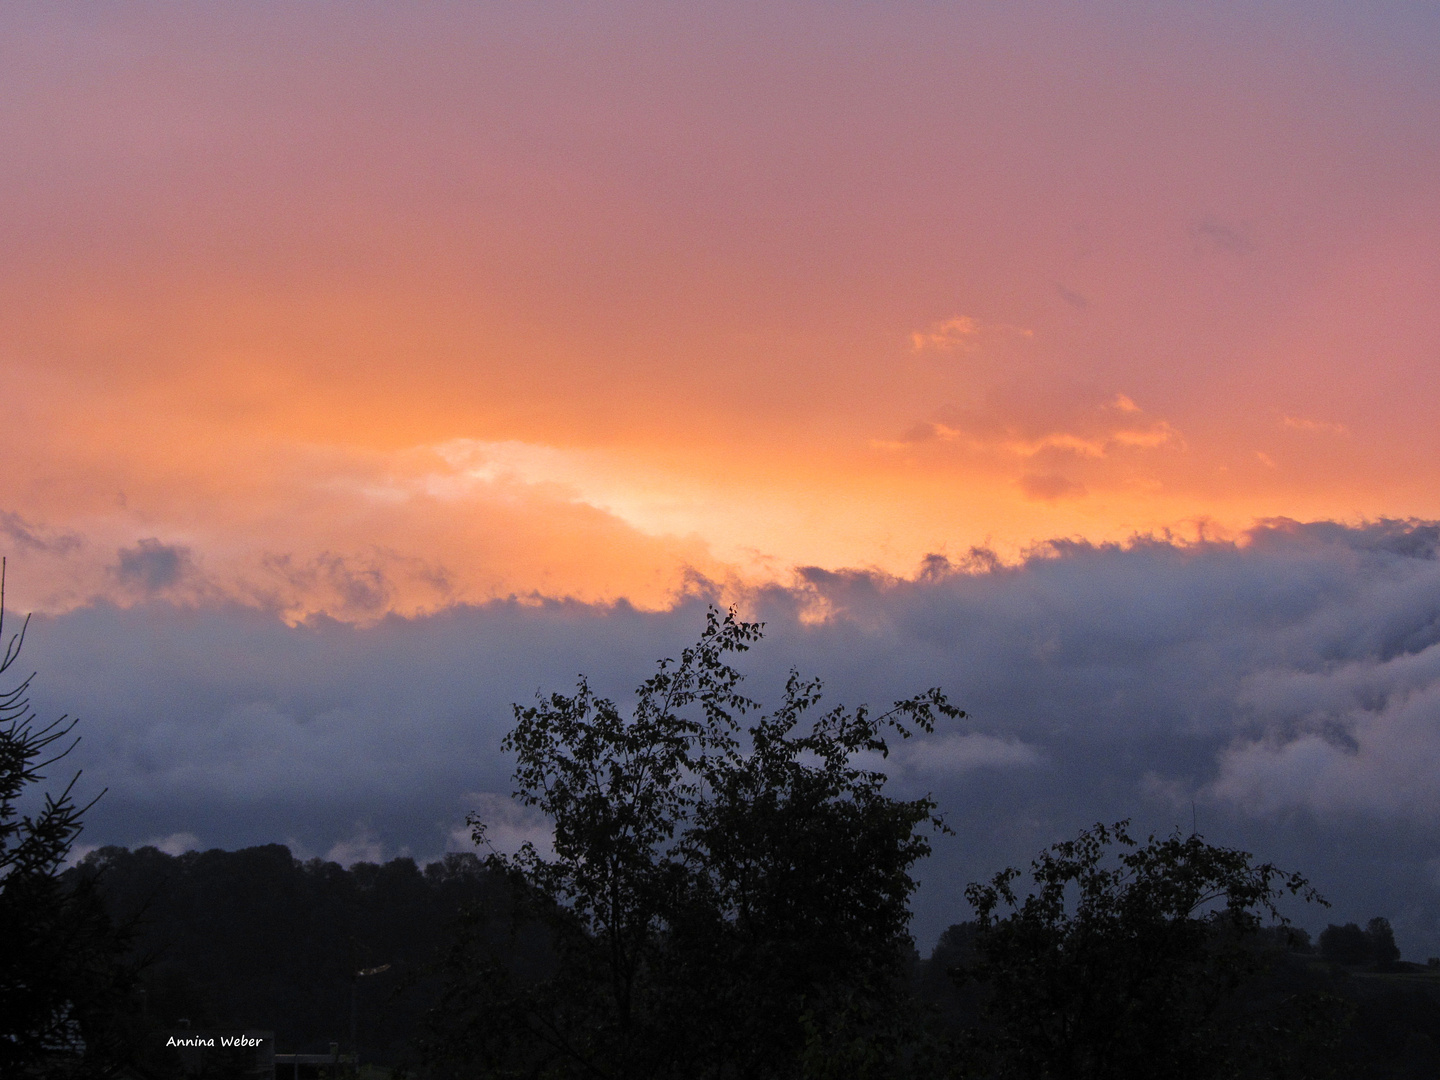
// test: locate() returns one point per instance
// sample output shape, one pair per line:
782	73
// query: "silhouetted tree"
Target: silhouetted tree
722	901
64	982
1349	945
1127	960
1382	937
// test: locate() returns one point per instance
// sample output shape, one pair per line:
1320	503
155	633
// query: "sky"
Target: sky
367	367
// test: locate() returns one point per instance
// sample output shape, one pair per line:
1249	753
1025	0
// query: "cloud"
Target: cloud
951	755
1300	423
343	533
1024	422
1050	488
509	826
359	587
362	845
1286	681
951	333
964	332
1233	238
39	538
174	844
1360	736
151	566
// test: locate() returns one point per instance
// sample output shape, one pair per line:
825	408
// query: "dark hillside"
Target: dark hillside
1379	1018
257	939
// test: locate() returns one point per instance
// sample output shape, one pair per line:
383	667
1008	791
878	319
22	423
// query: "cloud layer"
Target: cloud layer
1282	691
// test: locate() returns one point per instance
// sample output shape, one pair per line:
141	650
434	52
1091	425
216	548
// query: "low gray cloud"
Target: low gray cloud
1282	692
30	536
152	566
355	587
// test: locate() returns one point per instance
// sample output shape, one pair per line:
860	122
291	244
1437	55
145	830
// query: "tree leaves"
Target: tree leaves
718	883
1123	958
64	982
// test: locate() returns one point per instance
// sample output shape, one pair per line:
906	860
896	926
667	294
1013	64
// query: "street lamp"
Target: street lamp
354	986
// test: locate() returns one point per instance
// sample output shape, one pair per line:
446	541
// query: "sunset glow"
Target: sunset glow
583	301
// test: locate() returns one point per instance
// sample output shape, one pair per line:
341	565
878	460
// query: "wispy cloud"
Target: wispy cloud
40	538
963	332
1231	237
508	826
956	332
1050	487
174	844
1025	424
952	755
1301	423
362	845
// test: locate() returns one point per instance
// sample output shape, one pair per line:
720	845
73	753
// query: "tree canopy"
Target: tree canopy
724	899
1374	946
1129	959
65	981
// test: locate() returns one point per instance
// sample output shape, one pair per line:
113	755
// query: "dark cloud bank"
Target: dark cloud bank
1287	687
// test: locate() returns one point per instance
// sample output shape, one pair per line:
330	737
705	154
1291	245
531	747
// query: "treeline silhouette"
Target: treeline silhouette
1372	947
259	939
1363	1015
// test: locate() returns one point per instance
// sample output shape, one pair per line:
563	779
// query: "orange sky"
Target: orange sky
370	309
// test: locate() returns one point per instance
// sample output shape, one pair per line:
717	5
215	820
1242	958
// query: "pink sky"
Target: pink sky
356	309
